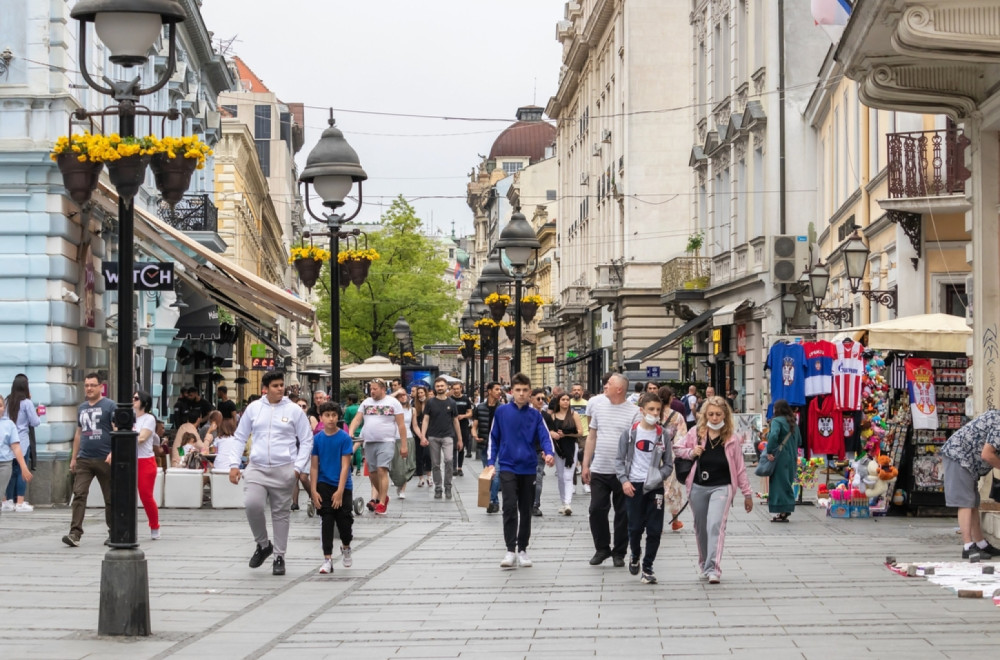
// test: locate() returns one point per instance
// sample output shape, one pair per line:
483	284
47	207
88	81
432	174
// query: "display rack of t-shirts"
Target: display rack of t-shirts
819	367
894	443
826	435
848	369
787	363
927	488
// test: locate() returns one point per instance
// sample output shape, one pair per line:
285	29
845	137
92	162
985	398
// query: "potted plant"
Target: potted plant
510	328
497	302
308	261
486	327
173	162
529	307
470	341
127	159
694	245
80	167
356	263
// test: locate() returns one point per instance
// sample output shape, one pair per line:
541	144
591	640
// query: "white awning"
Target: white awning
727	313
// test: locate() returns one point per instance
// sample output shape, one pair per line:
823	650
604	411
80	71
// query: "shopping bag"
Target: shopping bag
485	479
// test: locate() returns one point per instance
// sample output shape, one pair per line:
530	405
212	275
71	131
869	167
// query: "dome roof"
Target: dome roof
526	138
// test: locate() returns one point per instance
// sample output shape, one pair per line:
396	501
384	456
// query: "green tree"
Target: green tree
407	280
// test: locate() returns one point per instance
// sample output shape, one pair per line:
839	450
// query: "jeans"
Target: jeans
87	469
343	517
645	513
518	491
16	485
495	484
539	475
564	479
441	448
605	490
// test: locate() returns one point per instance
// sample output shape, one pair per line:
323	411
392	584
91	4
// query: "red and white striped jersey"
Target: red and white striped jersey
848	368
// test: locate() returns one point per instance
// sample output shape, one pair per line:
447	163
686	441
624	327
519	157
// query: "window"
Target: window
285	129
264	155
758	193
262	122
511	167
741	202
954	299
233	110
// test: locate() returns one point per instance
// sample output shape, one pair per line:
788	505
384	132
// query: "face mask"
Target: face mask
716	425
651	419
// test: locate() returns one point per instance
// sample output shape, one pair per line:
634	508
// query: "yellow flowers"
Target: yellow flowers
467	337
507	324
109	148
309	252
496	298
357	255
532	299
487	323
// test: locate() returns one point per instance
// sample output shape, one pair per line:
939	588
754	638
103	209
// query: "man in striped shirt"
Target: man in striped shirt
610	416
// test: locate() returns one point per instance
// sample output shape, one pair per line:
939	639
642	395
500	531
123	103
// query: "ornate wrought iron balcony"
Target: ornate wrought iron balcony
686	273
193	213
927	163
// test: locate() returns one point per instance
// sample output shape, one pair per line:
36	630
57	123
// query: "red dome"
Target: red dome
527	138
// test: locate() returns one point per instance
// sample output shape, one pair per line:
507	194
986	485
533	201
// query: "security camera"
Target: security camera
70	296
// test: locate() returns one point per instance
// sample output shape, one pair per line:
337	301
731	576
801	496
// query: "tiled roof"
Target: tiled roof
249	82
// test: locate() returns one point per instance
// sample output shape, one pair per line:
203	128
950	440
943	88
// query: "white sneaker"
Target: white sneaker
346	554
509	560
562	510
522	560
154	534
568	511
24	507
401	494
8	505
586	488
327	567
713	578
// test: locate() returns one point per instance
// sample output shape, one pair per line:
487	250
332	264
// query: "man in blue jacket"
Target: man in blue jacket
518	431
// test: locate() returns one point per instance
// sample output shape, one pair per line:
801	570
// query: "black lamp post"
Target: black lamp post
476	308
128	28
520	246
490	281
401	330
332	168
470	352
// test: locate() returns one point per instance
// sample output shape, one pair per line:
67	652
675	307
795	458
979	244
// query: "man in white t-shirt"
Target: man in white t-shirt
610	416
383	419
691	399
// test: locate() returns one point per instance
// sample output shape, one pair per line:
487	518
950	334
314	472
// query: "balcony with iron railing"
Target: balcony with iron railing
197	216
926	171
683	281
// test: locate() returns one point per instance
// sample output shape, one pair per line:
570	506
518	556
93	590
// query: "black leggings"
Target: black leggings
343	517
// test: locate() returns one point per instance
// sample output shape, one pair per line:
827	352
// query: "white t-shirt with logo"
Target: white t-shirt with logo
145	421
380	419
643	454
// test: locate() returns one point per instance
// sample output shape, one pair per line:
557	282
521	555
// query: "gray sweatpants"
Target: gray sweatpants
710	506
441	447
274	484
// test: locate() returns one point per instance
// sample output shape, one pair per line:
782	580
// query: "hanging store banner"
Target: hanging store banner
923	402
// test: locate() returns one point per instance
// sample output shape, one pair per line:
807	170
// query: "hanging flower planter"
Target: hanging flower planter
510	330
345	275
357	271
309	270
356	263
529	307
127	174
79	178
497	304
172	175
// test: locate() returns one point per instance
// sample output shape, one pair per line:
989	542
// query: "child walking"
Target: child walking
330	477
642	482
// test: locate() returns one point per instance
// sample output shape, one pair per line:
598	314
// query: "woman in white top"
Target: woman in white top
401	469
227	451
145	425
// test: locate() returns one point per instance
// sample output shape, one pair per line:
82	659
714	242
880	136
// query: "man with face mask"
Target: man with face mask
610	416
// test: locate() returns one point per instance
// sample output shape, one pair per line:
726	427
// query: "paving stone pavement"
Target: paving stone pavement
426	583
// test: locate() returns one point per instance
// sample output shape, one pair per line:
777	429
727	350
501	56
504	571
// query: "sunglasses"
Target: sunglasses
378	381
304	407
135	398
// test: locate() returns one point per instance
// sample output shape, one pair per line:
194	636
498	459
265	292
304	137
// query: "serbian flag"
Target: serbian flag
920	384
832	16
458	275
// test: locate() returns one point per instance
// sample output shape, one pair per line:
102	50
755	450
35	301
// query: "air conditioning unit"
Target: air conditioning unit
606	135
789	257
584	179
597	148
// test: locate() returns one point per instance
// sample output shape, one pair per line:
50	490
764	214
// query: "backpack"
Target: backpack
687	408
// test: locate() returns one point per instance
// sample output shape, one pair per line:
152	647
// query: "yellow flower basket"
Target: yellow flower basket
496	298
103	148
489	323
308	252
357	255
532	299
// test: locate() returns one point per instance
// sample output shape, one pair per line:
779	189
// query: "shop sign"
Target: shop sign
146	276
545	359
262	364
258	350
741	339
716	341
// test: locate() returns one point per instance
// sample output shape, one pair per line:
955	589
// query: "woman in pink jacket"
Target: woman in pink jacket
717	474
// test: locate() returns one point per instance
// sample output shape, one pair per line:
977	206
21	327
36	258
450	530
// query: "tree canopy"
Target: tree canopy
407	280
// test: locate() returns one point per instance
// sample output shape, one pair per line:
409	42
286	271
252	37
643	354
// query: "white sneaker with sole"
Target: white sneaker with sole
562	510
509	560
713	578
586	488
154	534
401	494
523	560
327	567
8	505
346	554
24	507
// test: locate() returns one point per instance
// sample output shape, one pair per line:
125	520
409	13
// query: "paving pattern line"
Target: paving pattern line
188	641
309	618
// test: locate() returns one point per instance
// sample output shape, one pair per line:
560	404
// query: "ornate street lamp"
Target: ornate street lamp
493	277
804	292
129	28
789	303
819	282
855	260
332	168
401	330
520	246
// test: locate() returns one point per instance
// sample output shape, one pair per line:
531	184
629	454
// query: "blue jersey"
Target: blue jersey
787	363
331	449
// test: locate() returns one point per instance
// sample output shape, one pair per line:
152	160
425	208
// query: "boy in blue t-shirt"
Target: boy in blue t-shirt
330	477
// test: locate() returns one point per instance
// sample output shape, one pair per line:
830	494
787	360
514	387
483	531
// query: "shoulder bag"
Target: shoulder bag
683	467
765	466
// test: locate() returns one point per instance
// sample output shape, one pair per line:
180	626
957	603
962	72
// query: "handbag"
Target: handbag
682	468
765	466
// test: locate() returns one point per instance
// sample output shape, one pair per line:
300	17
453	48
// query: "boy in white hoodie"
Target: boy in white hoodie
275	465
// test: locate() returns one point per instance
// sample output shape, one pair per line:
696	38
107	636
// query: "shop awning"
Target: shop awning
726	314
199	322
923	333
674	337
216	272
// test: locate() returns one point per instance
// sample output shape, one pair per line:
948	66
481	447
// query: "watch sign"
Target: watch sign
146	276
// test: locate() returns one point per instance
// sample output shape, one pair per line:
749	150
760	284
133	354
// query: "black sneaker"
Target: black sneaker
493	507
295	506
989	550
974	550
278	567
536	512
633	565
619	561
260	554
648	577
599	557
447	494
71	541
437	495
458	473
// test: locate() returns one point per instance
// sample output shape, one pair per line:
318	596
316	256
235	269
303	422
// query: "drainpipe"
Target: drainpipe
781	116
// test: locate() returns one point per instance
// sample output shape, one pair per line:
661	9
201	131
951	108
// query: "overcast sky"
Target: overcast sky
458	58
